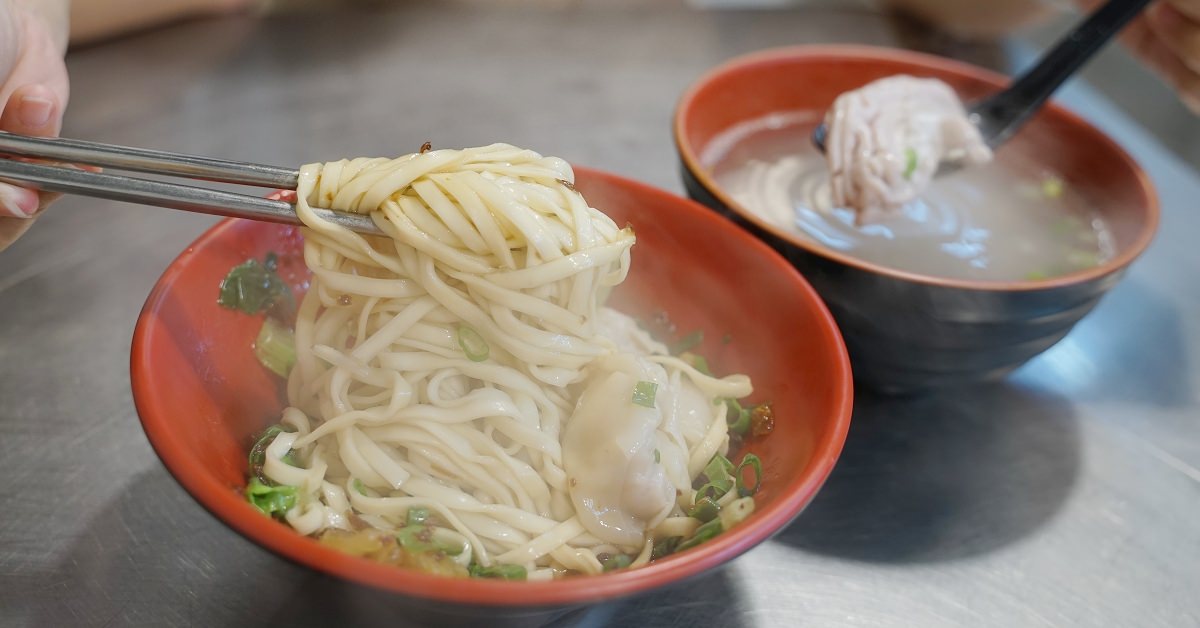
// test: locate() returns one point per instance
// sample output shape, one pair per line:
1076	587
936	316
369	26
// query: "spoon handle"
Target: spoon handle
1002	114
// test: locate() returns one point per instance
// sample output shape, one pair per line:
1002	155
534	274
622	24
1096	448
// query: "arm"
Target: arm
93	20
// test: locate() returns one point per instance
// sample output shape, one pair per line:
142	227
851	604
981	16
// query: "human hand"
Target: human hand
34	88
1174	48
1166	37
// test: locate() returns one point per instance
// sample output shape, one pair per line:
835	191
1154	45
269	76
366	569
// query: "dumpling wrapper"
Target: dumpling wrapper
615	483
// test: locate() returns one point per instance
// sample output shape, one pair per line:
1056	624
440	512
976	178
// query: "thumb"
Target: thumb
36	110
32	109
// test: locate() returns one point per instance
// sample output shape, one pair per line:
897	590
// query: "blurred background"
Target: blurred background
1064	495
1114	72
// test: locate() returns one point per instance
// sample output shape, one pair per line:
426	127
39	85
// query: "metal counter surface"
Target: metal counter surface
1067	495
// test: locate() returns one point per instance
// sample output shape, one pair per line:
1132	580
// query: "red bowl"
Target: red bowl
202	395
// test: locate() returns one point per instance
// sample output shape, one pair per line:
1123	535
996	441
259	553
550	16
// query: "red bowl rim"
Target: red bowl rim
155	409
691	160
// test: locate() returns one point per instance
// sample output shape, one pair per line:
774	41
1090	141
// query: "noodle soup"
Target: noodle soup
1007	221
461	401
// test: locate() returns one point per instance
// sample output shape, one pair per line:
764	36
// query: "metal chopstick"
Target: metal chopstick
53	178
146	160
171	195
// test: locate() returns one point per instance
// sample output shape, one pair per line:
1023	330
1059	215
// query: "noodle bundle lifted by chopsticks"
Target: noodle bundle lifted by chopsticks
464	377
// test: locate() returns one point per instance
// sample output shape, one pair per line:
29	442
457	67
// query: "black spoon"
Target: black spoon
999	116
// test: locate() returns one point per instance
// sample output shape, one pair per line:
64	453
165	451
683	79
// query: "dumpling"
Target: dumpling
616	481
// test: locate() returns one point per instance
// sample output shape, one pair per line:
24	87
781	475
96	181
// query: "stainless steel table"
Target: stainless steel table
1067	495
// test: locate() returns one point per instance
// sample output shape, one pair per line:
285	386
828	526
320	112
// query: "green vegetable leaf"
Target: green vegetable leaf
273	501
275	347
644	393
473	344
910	162
253	287
688	342
505	572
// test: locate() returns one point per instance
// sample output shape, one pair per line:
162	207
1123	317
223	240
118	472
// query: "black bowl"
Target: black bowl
908	332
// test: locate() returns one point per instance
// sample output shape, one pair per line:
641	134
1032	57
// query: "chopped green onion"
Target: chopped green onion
688	342
736	512
657	456
416	516
644	393
1053	187
423	538
258	451
360	487
704	533
910	162
275	347
273	501
473	345
705	510
751	461
719	465
665	547
738	417
505	572
696	361
253	286
719	473
1036	275
1082	259
416	538
726	339
1067	225
616	561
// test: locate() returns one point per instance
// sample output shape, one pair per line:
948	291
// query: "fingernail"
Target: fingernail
35	111
17	203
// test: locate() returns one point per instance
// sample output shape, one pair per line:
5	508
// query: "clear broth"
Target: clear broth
1005	221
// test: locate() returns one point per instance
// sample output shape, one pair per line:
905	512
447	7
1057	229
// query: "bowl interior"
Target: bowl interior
202	395
809	78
